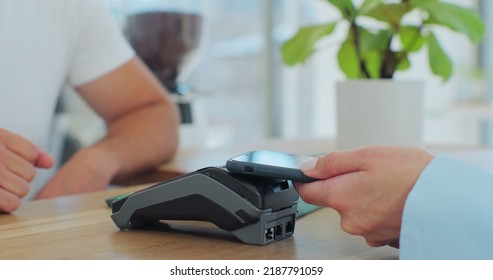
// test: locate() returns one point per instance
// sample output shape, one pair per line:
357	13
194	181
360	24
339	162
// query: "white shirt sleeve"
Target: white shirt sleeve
449	213
98	44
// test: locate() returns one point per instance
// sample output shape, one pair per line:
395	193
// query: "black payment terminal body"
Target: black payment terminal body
253	209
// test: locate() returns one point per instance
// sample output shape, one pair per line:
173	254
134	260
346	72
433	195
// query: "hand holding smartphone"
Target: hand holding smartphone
269	164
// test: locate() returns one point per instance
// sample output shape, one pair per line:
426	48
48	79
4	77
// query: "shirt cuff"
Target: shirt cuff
449	213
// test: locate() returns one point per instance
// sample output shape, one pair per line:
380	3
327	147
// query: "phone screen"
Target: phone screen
269	164
273	158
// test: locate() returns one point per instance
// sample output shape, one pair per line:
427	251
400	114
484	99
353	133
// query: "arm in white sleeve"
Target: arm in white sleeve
449	213
99	45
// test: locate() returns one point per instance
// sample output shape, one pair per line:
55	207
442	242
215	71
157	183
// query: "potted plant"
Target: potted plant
381	37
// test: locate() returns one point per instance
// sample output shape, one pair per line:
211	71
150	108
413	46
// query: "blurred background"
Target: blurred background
232	86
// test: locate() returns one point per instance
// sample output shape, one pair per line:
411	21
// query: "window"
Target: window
245	93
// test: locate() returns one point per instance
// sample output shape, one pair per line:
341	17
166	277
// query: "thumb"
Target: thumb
332	164
44	160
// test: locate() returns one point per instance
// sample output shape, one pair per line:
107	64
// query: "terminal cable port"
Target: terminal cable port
269	234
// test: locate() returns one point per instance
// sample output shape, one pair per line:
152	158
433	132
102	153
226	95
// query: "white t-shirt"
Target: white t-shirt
45	45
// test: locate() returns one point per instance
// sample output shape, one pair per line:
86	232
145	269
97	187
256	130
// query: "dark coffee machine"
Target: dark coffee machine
166	41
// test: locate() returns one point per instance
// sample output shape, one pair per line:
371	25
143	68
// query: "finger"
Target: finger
314	193
335	192
24	167
8	201
376	243
19	166
44	160
334	164
12	183
381	242
21	146
381	237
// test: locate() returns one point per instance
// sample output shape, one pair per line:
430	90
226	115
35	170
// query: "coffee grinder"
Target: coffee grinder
166	41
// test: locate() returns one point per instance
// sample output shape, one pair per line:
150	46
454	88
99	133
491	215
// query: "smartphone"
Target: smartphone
269	164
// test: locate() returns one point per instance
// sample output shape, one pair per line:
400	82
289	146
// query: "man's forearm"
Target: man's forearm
141	139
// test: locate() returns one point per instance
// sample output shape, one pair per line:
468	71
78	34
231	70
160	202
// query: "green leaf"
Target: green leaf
456	18
345	7
373	62
404	64
348	60
369	5
439	61
390	13
302	45
370	41
411	38
418	3
373	46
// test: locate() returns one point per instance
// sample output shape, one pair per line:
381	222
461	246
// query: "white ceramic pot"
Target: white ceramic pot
379	112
